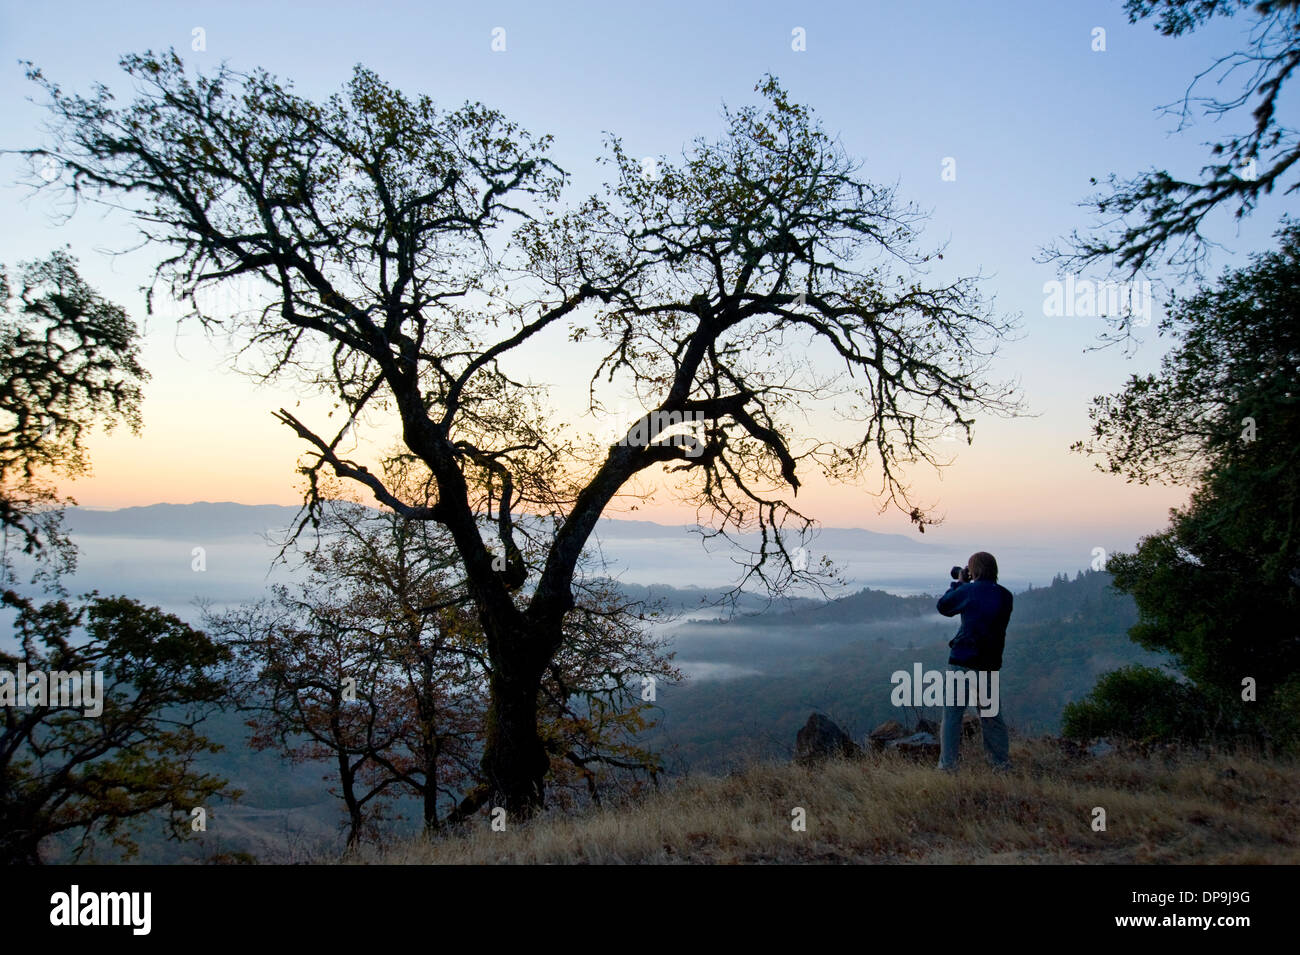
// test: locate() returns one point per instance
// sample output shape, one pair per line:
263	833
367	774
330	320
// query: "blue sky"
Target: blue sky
1012	91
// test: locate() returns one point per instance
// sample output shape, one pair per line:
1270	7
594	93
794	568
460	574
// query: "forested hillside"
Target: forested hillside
838	658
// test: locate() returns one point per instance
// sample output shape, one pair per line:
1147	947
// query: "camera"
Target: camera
959	573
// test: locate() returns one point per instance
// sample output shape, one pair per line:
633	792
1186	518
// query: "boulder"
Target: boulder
918	746
890	729
884	733
821	739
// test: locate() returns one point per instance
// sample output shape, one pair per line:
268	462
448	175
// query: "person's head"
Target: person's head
983	566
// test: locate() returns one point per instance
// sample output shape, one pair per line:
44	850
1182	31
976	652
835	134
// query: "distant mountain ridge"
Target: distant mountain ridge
866	604
203	519
206	519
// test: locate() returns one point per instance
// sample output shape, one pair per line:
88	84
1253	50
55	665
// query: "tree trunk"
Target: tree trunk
431	744
346	780
514	760
431	822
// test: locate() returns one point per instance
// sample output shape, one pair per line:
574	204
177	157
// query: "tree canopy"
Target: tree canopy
69	360
69	771
1220	587
1157	217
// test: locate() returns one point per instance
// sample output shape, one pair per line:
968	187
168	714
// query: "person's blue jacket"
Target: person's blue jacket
985	609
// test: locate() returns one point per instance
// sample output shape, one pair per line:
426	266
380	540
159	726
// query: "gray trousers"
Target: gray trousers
992	728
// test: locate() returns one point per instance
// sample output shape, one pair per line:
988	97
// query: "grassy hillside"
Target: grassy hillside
1184	807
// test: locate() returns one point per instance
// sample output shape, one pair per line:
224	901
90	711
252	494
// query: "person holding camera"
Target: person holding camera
985	608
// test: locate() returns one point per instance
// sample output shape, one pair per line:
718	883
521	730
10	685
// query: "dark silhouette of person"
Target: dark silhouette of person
985	609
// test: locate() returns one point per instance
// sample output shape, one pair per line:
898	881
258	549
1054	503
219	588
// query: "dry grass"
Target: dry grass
1200	808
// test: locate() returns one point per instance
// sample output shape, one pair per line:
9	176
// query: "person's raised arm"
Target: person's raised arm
951	602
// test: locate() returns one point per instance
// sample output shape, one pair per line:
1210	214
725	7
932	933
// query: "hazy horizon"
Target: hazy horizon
153	560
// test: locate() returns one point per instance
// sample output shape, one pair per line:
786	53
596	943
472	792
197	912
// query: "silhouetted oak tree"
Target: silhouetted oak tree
757	275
